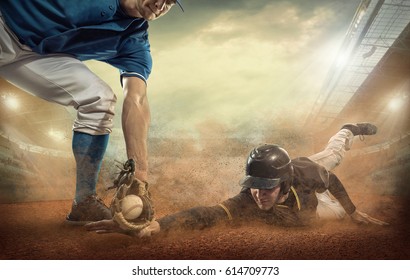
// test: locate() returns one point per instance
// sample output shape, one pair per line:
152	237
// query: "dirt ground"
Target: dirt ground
36	230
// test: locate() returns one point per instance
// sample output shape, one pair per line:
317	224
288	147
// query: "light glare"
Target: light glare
11	102
395	104
56	135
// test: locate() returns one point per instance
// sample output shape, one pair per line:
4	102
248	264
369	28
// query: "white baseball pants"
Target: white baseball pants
330	157
58	78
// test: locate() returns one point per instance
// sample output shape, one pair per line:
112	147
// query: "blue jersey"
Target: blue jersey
86	29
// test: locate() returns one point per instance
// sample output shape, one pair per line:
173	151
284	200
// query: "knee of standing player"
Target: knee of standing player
95	114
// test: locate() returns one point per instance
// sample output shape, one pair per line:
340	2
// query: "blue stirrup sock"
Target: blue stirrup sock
88	152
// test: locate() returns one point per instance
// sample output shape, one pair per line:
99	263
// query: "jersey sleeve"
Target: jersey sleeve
337	189
134	57
231	210
194	218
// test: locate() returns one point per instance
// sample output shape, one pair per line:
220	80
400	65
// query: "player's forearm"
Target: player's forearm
337	189
135	124
193	219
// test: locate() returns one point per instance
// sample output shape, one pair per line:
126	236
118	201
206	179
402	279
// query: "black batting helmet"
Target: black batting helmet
267	167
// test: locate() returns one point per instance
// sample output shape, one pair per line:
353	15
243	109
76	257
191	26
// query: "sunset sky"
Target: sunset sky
237	64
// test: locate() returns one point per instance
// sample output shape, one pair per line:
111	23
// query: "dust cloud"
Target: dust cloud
202	170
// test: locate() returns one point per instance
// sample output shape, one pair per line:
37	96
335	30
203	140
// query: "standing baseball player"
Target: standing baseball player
42	46
276	190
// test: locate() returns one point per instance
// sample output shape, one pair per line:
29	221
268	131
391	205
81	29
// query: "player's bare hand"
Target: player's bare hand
110	226
105	226
151	229
363	218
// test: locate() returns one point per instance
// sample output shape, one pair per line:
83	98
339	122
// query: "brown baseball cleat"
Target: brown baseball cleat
90	210
361	128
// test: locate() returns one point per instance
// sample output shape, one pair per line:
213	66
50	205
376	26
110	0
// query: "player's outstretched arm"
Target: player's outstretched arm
135	123
110	226
363	218
190	219
105	226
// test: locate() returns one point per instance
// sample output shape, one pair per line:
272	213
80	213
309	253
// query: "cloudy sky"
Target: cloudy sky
239	65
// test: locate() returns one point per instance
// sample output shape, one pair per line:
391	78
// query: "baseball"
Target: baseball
131	206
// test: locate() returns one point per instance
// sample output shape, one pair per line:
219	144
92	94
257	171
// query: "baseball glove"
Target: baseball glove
126	184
